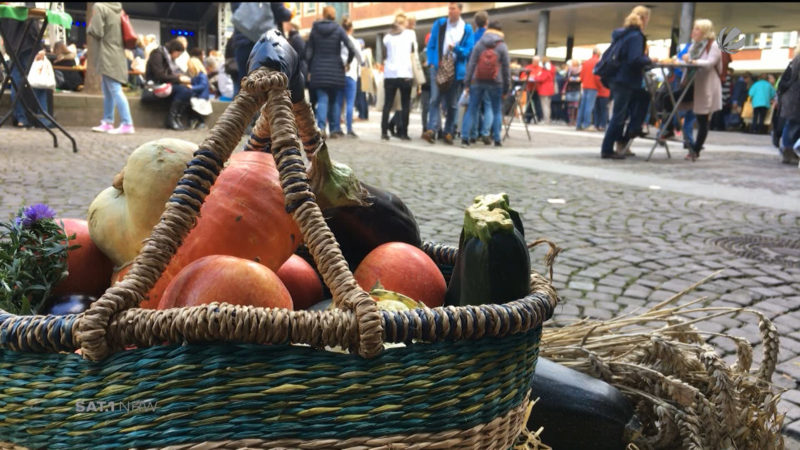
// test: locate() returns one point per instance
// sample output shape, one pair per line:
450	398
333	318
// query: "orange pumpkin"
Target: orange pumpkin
243	216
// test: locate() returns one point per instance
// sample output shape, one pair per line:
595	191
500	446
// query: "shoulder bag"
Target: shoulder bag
128	34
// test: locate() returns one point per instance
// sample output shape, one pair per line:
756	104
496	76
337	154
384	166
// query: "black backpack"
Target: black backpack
611	61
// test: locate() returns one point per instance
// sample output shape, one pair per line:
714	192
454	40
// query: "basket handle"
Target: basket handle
269	88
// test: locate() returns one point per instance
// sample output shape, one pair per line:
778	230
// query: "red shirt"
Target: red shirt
588	79
602	91
540	78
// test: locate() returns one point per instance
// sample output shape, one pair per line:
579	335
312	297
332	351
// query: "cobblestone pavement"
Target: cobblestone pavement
634	233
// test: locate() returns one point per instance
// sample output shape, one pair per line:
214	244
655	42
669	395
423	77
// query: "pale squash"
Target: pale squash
123	215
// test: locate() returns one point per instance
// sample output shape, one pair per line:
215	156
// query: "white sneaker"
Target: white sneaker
123	129
103	127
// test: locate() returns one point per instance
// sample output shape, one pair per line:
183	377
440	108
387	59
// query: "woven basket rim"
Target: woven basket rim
48	334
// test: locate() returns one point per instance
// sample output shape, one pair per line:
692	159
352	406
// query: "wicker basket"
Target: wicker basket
202	377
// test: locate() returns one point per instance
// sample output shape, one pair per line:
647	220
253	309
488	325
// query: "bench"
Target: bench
83	69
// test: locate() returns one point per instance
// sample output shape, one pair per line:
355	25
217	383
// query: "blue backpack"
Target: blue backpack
611	61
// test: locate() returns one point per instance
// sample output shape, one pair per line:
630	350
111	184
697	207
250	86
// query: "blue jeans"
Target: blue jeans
449	100
477	92
623	98
113	97
181	93
40	94
688	125
585	108
326	109
639	111
347	95
484	116
790	135
600	118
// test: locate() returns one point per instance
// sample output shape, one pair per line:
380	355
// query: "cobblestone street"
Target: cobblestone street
633	232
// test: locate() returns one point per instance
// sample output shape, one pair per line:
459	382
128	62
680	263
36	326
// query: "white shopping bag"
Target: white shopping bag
41	75
201	106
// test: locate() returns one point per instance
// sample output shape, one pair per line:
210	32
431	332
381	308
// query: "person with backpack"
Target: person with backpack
488	74
451	37
270	16
707	83
621	69
482	125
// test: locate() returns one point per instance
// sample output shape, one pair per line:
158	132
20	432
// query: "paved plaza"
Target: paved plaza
633	232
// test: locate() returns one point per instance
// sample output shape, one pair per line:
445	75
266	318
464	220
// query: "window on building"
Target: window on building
765	41
786	39
750	40
360	4
309	7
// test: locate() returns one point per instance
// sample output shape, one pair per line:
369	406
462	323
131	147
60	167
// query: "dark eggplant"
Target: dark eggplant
361	216
578	411
68	304
493	264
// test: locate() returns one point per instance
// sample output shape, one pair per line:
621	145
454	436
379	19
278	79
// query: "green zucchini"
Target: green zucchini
493	264
578	411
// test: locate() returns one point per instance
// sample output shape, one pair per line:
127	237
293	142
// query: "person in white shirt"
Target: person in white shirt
348	94
397	74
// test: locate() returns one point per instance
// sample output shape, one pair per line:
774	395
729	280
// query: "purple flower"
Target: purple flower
35	213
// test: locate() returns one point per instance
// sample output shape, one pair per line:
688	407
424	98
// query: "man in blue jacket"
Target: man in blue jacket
449	34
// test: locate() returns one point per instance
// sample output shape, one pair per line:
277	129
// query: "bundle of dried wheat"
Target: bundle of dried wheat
528	440
686	396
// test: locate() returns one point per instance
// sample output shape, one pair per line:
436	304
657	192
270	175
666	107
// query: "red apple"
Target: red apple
222	278
403	268
302	282
89	268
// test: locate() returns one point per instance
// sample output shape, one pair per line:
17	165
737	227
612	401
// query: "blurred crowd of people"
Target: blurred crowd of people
460	76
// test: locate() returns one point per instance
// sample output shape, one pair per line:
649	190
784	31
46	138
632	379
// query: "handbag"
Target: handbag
447	72
253	19
747	109
128	34
155	92
41	75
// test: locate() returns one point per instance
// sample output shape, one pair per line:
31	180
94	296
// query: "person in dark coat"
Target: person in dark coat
789	101
326	71
242	45
161	69
627	80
